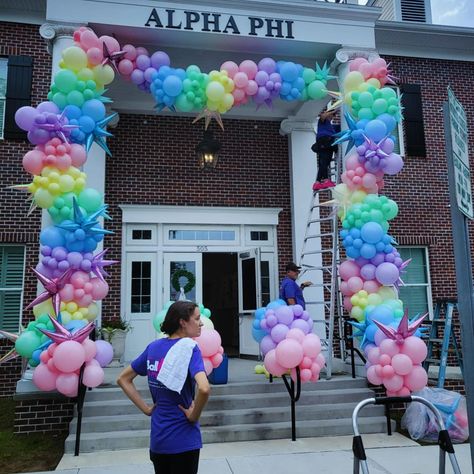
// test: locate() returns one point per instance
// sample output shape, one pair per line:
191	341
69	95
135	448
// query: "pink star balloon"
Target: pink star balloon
98	264
61	334
405	328
52	286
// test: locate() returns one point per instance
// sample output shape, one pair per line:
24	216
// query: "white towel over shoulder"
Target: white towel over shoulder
175	367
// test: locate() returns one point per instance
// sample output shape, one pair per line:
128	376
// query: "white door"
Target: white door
140	302
182	270
250	298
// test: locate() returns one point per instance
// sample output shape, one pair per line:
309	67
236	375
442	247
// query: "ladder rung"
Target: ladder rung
322	219
316	252
315	236
435	339
433	361
439	321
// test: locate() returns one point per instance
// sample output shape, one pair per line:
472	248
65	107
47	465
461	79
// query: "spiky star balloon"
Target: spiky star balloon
208	115
12	354
112	58
52	287
352	134
98	264
88	223
405	328
61	334
97	135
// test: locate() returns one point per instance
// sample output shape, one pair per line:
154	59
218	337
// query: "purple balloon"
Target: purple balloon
301	324
261	96
38	136
74	259
393	164
387	273
267	344
25	117
143	62
305	315
378	259
59	253
261	78
104	353
86	265
159	59
271	320
137	77
278	333
63	265
45	250
47	106
367	272
149	74
297	310
267	64
284	315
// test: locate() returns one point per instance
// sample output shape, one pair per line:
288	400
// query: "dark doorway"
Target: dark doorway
221	296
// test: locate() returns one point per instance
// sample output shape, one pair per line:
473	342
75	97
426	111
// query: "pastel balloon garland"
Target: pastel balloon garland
372	272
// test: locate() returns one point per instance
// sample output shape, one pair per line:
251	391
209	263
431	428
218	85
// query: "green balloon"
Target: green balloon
90	199
365	113
206	312
158	320
309	75
43	319
75	98
366	99
183	104
316	90
88	94
380	106
80	86
65	80
388	93
60	100
33	363
27	343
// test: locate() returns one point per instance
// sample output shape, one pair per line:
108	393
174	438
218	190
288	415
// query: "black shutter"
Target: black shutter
413	120
19	79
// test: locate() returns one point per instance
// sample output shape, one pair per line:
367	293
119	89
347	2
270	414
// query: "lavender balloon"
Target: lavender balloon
104	353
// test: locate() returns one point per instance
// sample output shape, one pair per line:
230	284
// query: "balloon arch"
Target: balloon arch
72	272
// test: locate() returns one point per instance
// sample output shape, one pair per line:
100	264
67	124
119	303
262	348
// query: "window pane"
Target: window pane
182	280
416	271
249	290
201	235
414	299
10	305
141	287
228	235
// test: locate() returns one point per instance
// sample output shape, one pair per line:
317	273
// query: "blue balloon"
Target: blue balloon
389	121
94	108
372	232
285	89
36	355
72	112
52	237
75	325
86	123
260	313
382	313
172	86
288	71
370	332
276	303
258	334
376	130
368	251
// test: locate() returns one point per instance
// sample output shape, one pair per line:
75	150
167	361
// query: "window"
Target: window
258	235
265	281
228	235
141	234
3	92
141	287
416	294
12	262
398	131
413	119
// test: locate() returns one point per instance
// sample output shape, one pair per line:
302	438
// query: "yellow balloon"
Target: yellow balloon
353	80
86	74
66	183
374	82
228	101
215	91
43	198
74	58
103	74
93	309
46	307
66	317
71	307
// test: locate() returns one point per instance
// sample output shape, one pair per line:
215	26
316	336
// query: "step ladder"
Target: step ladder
442	345
319	261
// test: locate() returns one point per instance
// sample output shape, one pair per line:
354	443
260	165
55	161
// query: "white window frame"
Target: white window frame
259	243
429	297
217	243
3	97
400	125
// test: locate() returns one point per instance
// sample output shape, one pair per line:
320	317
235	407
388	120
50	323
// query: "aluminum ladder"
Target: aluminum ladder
443	344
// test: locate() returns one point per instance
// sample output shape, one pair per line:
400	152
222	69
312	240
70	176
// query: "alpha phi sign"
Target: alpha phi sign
190	20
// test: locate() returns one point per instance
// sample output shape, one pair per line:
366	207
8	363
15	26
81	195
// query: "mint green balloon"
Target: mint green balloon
80	86
89	94
365	113
183	103
380	106
206	312
366	99
90	199
75	98
390	210
65	81
43	319
316	90
27	343
60	100
376	216
388	93
309	75
158	320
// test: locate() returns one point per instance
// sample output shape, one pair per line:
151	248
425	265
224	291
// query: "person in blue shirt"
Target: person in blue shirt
325	149
290	291
176	362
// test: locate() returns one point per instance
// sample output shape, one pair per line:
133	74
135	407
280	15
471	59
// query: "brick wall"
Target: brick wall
43	415
16	226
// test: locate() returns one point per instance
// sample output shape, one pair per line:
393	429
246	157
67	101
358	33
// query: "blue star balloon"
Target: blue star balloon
97	135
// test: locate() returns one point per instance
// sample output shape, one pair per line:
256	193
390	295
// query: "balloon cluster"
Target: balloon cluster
63	129
160	317
61	362
286	341
372	272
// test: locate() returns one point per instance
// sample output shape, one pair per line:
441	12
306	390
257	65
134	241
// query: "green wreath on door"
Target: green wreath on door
191	280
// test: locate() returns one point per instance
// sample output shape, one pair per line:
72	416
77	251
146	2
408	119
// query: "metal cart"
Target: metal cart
444	441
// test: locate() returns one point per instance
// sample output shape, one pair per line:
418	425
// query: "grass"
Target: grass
26	453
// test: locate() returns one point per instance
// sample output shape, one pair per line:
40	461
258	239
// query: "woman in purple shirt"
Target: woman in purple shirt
175	361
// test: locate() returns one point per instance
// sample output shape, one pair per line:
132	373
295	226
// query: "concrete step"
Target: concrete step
238	401
115	440
115	393
138	421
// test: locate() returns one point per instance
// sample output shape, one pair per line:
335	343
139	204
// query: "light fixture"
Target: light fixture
208	151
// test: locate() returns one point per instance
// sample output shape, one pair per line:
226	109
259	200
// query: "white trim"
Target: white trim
199	215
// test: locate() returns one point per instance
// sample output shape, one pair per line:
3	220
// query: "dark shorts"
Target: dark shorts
179	463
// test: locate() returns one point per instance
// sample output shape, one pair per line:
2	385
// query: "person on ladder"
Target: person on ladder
324	149
290	291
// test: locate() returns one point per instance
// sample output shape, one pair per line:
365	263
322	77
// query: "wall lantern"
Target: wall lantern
208	151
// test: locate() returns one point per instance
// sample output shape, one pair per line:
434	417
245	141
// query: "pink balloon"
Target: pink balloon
387	372
414	348
311	345
306	363
130	52
90	349
289	353
67	384
355	284
79	279
371	286
241	80
94	56
372	376
347	303
33	161
239	95
315	370
67	293
320	360
355	64
78	155
416	379
69	356
305	374
393	383
249	67
272	365
207	365
296	334
389	347
89	39
99	289
44	357
93	375
402	364
208	342
125	67
231	68
384	360
216	360
373	355
44	379
252	87
403	392
345	289
348	269
112	44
